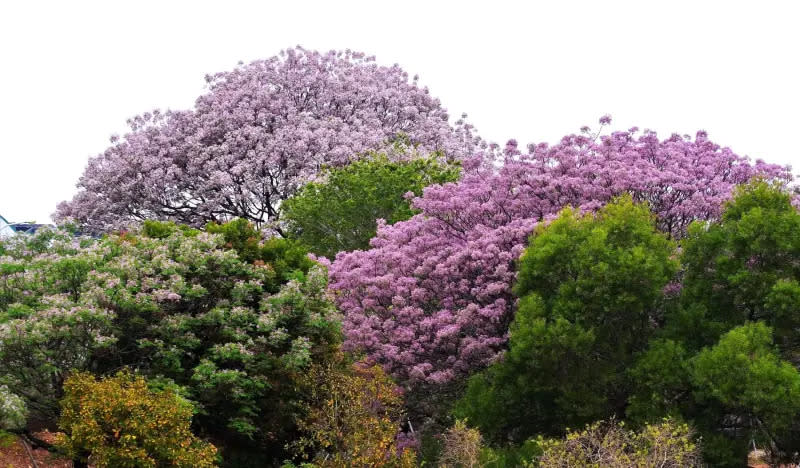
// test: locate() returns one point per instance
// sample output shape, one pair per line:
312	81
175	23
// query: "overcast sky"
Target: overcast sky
73	72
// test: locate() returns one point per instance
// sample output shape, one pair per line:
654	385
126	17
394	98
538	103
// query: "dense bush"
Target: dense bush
120	422
261	131
182	309
667	444
462	447
352	418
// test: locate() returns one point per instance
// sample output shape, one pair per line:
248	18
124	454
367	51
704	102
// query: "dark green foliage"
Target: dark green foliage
588	285
717	365
340	213
743	268
743	391
661	378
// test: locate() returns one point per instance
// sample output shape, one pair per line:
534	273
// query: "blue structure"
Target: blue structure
9	229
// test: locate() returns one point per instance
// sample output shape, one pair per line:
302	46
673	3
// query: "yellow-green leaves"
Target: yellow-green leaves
119	422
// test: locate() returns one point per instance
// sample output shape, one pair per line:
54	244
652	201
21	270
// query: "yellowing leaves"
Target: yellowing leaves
120	422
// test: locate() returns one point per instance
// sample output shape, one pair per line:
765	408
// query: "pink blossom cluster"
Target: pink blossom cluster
260	132
431	299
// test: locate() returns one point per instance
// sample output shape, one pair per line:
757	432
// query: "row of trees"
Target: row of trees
596	337
313	266
240	336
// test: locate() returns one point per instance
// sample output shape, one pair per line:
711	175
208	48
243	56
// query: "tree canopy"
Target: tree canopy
339	214
431	299
182	308
261	132
589	286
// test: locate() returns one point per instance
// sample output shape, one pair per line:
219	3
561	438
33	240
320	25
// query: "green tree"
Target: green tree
119	422
287	258
340	213
745	267
588	286
744	391
715	362
37	352
229	318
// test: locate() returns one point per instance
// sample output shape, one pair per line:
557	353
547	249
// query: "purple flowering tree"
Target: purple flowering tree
261	131
431	300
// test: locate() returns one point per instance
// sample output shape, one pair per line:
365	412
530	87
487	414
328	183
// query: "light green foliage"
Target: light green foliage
48	264
514	456
13	412
119	422
340	213
588	286
668	444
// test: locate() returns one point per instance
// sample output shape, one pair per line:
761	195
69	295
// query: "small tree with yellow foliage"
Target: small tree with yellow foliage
119	422
668	444
461	447
352	418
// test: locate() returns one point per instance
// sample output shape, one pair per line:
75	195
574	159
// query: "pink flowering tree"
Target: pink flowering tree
261	131
431	299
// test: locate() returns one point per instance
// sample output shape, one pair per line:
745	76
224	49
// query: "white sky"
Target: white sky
73	72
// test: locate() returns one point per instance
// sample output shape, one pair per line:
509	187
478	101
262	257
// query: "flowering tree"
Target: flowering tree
13	412
260	132
181	307
431	300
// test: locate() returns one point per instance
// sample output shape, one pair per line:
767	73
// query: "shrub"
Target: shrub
461	447
119	422
352	418
668	444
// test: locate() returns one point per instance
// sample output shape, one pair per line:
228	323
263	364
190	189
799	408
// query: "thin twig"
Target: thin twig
30	454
